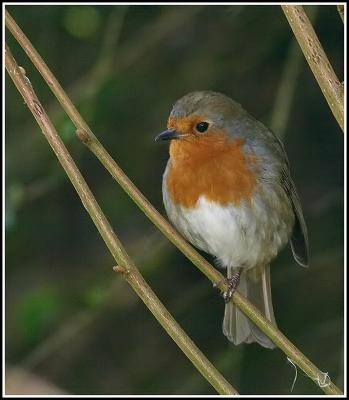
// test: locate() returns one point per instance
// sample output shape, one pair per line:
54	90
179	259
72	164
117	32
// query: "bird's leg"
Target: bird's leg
233	283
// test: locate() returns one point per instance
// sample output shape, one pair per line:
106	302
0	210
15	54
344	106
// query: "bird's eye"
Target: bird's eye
202	127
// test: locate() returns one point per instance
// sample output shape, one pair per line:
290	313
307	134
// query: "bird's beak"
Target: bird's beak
169	134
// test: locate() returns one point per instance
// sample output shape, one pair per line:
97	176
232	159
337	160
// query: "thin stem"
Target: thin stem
211	273
122	56
286	91
126	266
137	196
111	38
340	9
69	330
46	73
87	86
284	97
331	88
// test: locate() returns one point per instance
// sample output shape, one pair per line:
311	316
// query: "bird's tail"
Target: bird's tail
255	285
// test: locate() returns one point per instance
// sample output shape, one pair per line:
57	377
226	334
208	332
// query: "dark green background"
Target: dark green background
69	318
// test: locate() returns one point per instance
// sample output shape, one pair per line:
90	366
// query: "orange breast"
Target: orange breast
212	167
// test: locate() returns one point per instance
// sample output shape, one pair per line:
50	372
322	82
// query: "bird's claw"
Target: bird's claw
233	283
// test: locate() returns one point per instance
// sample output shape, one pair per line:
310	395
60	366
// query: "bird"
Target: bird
228	190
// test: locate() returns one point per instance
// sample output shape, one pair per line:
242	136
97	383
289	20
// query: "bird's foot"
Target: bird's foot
233	283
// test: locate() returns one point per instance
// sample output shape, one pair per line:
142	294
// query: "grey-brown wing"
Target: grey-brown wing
258	136
299	237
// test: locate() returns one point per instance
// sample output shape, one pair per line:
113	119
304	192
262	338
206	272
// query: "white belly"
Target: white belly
247	235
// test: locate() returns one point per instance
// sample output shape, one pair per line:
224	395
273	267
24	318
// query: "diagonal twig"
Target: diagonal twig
317	59
125	266
340	9
285	94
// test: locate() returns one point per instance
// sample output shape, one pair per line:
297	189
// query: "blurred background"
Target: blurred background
72	325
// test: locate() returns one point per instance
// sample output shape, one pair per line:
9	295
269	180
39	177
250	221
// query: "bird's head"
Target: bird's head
201	117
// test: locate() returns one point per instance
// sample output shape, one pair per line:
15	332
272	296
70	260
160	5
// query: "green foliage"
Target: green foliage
67	130
82	22
95	296
14	197
37	311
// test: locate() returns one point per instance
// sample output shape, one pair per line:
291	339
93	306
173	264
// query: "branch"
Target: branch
285	93
107	65
315	55
87	86
84	133
125	267
128	54
287	87
340	9
69	330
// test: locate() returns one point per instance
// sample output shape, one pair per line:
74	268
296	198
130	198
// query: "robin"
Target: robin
227	188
